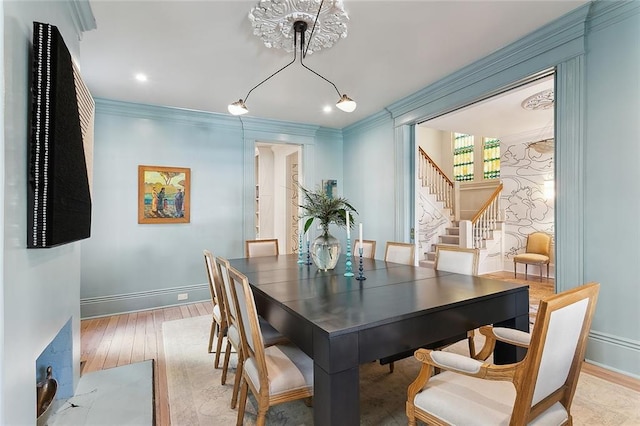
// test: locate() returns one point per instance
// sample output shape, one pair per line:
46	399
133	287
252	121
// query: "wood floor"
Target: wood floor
125	339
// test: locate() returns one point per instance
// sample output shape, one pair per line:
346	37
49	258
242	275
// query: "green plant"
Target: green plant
318	205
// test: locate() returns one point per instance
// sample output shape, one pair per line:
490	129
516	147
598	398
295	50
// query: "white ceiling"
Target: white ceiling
202	55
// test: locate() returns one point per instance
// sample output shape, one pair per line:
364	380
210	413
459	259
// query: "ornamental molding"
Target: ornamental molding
272	21
539	101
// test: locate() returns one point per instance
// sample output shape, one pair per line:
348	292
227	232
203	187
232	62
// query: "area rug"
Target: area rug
115	396
196	396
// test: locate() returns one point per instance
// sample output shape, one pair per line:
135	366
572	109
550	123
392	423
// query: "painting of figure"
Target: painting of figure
163	194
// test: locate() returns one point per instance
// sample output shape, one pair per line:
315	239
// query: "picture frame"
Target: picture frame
159	201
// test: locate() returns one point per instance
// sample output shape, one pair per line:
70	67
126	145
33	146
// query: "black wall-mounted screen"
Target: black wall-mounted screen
59	198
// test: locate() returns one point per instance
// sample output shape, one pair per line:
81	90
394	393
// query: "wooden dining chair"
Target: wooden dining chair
539	389
270	335
460	261
257	248
368	249
275	374
400	253
219	322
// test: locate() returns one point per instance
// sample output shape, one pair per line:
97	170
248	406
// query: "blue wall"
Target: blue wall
40	288
595	53
128	266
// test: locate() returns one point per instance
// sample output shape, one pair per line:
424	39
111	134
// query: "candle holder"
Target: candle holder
348	268
308	262
300	258
360	276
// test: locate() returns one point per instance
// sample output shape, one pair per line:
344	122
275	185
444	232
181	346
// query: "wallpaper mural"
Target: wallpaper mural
523	172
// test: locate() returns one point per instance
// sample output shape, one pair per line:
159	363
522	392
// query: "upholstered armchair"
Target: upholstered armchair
537	390
537	252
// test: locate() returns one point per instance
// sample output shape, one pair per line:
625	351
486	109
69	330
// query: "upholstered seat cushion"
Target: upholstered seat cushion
531	258
216	314
288	369
233	335
485	402
270	335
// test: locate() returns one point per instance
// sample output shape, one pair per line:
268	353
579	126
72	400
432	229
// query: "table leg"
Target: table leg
505	353
336	398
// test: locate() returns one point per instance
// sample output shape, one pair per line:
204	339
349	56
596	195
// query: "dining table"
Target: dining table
342	322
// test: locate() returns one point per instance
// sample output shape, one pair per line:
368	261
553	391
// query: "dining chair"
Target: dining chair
539	389
537	252
399	253
368	248
219	322
275	374
257	248
270	335
459	261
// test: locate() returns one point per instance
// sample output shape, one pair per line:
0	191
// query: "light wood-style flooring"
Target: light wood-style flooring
128	338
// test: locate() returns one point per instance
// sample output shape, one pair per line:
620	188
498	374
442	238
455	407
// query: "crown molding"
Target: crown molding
82	16
370	122
607	13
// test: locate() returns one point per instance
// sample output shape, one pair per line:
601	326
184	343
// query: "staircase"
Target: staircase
438	214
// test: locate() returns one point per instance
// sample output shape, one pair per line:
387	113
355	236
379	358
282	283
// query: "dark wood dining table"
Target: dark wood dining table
341	322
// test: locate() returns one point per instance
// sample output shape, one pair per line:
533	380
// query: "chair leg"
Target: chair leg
547	272
216	363
541	272
243	402
212	333
391	367
236	381
525	270
225	363
515	269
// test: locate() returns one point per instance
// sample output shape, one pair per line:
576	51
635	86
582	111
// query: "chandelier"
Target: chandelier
284	24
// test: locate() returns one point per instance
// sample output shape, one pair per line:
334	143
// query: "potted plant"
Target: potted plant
325	249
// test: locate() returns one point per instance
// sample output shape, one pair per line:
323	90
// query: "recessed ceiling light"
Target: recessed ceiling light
327	109
141	77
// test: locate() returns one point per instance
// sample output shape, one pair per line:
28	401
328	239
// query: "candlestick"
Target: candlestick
348	268
360	276
360	234
308	262
348	226
300	260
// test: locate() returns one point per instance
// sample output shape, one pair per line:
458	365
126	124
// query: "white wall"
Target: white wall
40	287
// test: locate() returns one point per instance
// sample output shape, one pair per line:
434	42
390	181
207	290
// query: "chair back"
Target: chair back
248	322
556	351
368	248
215	284
399	253
257	248
539	243
223	272
457	260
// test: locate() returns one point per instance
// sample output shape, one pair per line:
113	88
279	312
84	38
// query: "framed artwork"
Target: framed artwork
163	194
329	186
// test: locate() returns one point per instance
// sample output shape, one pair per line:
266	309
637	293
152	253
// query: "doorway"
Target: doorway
522	119
277	170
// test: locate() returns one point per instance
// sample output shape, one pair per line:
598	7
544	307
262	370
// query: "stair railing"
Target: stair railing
486	219
433	177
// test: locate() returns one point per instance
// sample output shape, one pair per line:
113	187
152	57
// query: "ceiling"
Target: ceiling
202	55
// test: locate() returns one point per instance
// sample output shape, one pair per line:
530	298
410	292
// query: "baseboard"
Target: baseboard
140	301
614	353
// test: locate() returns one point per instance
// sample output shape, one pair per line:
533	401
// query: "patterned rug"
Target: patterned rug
196	396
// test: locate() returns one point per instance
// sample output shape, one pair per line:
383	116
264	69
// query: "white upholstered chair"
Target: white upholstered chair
368	249
219	316
460	261
276	374
271	336
257	248
400	253
537	252
537	390
457	260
